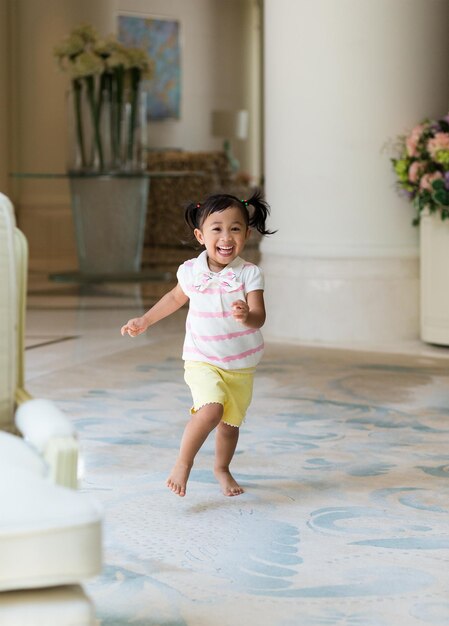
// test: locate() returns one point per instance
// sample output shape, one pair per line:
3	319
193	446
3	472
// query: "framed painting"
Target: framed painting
160	38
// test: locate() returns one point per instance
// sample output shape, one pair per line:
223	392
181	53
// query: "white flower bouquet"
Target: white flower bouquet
108	75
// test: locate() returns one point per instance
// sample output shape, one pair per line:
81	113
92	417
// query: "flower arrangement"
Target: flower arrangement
422	167
108	75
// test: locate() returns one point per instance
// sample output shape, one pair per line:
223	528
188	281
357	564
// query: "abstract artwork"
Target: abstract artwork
160	38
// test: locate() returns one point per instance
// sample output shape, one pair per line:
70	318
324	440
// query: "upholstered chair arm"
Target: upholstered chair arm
47	429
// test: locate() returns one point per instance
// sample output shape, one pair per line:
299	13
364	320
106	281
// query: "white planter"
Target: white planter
434	246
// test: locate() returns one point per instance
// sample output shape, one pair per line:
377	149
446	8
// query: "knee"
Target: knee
228	431
211	414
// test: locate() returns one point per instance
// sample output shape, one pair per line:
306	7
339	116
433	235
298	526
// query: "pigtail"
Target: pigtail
260	213
192	215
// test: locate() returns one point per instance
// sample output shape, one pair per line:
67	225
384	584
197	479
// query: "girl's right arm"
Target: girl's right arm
168	304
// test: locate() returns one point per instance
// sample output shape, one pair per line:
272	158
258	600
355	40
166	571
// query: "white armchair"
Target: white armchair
50	534
38	420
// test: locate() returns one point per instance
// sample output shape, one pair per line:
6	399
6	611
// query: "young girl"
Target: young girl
223	343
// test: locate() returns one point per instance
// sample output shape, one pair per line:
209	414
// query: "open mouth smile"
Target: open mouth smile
225	250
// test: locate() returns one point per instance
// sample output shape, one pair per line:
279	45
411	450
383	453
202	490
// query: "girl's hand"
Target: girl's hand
240	311
135	327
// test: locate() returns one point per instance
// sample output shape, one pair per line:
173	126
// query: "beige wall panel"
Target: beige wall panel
50	233
4	96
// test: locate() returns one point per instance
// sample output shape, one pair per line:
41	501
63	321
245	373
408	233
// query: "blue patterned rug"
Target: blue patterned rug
344	458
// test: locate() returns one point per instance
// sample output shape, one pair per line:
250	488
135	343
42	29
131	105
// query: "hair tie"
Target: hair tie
198	205
245	202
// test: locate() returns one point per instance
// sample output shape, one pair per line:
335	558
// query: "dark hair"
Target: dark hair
196	213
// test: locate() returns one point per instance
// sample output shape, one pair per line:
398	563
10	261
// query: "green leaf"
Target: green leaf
424	199
441	197
438	184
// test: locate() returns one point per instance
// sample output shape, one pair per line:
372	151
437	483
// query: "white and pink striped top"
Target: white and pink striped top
212	334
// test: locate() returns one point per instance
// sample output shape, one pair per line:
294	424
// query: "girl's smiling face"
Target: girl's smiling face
224	233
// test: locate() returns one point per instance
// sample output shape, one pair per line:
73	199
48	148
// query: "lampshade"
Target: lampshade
230	124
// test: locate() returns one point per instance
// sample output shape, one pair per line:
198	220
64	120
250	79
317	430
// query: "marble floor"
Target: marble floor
344	459
70	324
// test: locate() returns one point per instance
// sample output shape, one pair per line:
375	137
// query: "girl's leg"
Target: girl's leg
195	434
225	445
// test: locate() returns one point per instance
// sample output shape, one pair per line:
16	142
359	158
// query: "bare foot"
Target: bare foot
178	478
228	484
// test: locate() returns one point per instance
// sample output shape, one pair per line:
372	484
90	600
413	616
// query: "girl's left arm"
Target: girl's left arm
252	312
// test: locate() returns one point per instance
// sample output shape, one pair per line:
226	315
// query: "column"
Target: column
342	80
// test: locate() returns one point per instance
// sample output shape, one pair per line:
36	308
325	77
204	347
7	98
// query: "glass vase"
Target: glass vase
109	213
107	130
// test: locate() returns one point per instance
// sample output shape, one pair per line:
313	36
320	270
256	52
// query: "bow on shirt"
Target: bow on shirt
227	280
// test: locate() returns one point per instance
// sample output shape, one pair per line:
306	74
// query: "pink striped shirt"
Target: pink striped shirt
212	334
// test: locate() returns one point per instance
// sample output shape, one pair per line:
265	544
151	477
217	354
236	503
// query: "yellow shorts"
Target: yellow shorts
231	388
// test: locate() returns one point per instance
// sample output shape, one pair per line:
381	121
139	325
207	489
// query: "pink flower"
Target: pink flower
412	140
427	180
437	143
414	171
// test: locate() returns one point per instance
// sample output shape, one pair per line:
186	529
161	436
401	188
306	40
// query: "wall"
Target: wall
215	69
211	33
4	81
